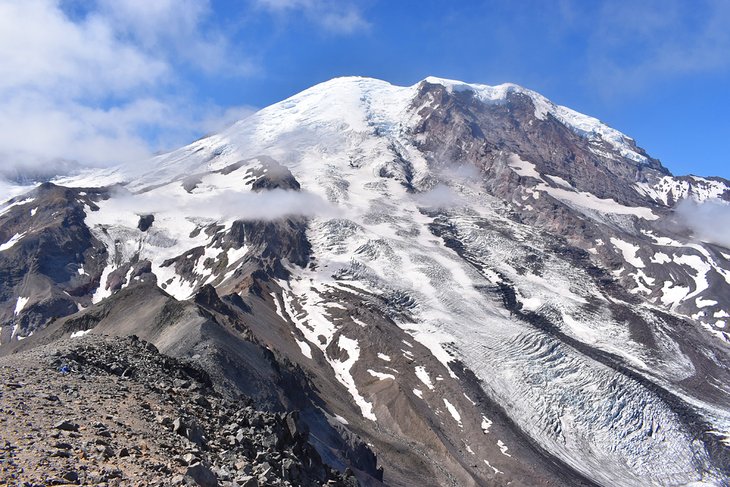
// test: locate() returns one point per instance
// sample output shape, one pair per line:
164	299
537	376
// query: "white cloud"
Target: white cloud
176	26
333	16
709	221
41	49
217	118
264	205
632	44
343	22
440	197
95	86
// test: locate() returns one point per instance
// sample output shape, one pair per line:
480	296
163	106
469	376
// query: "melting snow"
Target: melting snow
453	411
359	322
661	258
701	269
20	304
277	306
79	333
523	168
382	356
305	348
342	372
17	203
703	303
503	448
424	377
486	424
380	375
493	468
101	292
582	200
629	252
673	294
13	240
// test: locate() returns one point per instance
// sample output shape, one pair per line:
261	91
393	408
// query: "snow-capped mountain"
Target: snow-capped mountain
482	286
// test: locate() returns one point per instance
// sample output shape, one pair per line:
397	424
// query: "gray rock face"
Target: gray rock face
56	262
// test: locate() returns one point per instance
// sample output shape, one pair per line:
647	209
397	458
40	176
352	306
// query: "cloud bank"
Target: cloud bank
709	221
263	205
92	82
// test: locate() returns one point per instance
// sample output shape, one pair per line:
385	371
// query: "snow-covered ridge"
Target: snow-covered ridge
584	125
349	108
671	189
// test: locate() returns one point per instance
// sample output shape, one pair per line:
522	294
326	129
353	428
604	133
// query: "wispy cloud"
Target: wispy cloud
631	45
179	28
440	197
95	84
218	118
333	16
709	221
264	205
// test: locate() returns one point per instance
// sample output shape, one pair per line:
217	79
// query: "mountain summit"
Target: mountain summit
455	284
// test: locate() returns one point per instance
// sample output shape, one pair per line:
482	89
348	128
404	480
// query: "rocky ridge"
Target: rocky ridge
98	410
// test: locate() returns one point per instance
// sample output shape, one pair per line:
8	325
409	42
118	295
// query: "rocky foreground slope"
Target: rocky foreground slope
113	411
452	284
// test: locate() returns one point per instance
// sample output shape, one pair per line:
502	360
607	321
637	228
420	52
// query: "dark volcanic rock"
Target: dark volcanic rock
145	222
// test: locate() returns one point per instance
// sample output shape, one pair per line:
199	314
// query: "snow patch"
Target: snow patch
453	411
660	258
583	200
493	468
700	268
703	303
503	448
629	252
380	375
424	377
486	424
342	372
305	348
20	304
13	240
17	203
673	294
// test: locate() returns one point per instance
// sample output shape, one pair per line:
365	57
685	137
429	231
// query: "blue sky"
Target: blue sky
102	81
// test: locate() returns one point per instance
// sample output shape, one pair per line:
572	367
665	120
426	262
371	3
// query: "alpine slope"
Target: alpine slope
456	284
